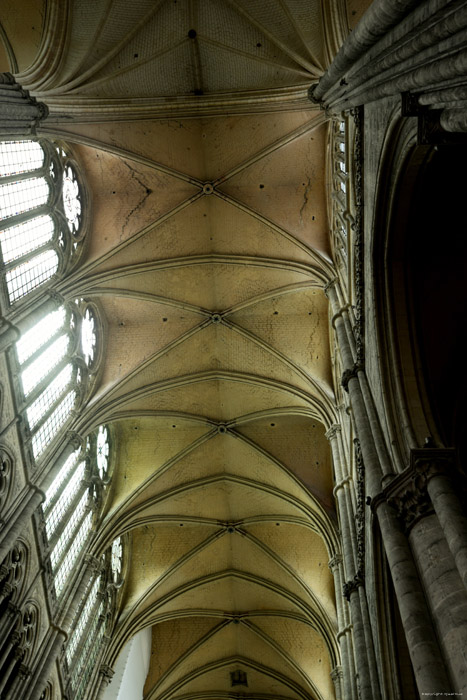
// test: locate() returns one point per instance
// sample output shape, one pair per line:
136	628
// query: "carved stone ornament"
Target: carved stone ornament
349	374
335	562
407	493
357	227
360	514
337	673
106	672
352	585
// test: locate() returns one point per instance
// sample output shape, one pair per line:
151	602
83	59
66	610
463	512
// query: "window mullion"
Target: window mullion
60	331
28	256
24	216
65	517
43	384
52	407
85	632
88	508
39	172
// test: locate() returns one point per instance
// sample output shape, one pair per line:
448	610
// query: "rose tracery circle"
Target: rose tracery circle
88	336
71	199
102	450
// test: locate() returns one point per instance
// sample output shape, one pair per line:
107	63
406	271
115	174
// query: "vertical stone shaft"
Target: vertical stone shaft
421	637
452	519
51	650
349	691
14	527
445	593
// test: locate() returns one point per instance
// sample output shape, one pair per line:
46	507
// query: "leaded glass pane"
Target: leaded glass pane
61	477
72	554
29	275
44	402
102	450
25	237
82	620
69	530
20	157
71	199
52	425
88	336
116	558
60	509
18	197
43	364
39	334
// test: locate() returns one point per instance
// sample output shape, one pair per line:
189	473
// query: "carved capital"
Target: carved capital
75	439
429	462
106	672
335	562
411	503
353	585
337	674
349	374
407	493
93	563
333	431
7	79
330	285
311	94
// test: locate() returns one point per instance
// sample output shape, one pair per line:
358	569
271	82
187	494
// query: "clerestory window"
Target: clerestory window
93	620
55	359
70	506
41	215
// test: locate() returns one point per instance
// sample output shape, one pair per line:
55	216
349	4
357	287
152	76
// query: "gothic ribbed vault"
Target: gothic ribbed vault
208	250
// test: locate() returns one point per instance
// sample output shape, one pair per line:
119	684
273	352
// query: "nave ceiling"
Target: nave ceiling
207	253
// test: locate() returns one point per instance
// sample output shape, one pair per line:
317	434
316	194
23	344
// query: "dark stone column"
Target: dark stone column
404	47
421	638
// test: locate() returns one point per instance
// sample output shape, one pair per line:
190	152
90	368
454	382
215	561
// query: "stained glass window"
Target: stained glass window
33	221
88	336
102	451
116	558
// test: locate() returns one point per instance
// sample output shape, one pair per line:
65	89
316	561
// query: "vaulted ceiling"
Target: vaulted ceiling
207	253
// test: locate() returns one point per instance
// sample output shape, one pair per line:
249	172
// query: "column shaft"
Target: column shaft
452	519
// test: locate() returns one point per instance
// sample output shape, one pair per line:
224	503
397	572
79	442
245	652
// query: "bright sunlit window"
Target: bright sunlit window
39	231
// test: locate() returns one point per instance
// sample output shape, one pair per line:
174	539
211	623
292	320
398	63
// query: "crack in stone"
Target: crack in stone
147	190
306	196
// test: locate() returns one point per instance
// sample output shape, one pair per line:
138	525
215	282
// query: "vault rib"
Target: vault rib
316	121
299	33
314	71
128	68
316	514
280	650
264	637
252	57
122	152
270	672
109	55
105	412
326	393
199	583
325	266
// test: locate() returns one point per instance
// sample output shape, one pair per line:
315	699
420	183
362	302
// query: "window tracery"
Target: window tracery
5	476
93	622
41	214
341	218
55	359
69	509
